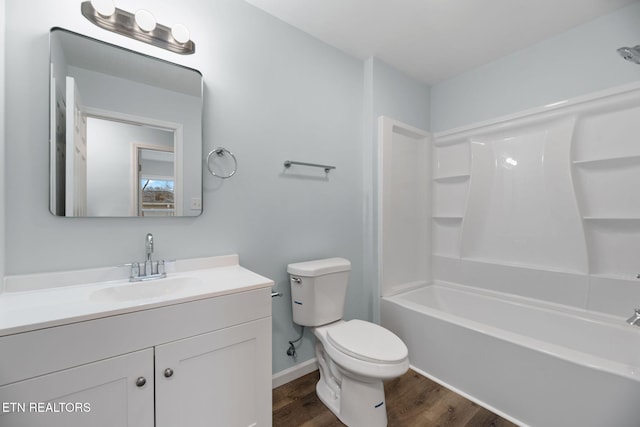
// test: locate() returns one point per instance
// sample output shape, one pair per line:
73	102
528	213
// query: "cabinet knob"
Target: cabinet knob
141	381
168	372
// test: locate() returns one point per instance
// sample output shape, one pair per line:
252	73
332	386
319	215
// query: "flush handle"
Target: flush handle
141	381
296	280
168	373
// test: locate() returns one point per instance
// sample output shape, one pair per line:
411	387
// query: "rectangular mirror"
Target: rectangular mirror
126	132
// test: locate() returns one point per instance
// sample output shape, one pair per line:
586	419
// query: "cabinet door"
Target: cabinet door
222	378
100	394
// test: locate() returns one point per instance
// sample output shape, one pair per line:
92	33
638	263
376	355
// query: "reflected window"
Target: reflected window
157	197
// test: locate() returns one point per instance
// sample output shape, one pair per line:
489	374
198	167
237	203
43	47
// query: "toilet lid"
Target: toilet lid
367	341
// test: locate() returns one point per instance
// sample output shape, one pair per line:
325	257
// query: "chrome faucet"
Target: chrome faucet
148	246
635	319
148	270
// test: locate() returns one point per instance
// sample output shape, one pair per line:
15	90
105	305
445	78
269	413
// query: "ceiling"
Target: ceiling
433	40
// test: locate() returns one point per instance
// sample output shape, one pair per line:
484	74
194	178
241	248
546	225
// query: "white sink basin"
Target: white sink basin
35	301
142	290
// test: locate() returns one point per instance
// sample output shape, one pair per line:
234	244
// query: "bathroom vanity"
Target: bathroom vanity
192	349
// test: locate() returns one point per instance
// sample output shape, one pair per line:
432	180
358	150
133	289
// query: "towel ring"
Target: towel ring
220	151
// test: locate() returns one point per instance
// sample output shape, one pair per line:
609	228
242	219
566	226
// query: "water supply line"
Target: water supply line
291	351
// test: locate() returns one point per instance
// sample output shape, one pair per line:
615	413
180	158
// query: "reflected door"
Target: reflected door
155	181
76	153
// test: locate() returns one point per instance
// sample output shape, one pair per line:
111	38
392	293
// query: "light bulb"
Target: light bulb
145	20
104	8
180	33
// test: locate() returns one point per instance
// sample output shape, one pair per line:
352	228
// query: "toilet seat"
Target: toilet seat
367	341
351	358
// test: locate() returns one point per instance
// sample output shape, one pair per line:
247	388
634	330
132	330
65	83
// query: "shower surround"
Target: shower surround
540	211
547	199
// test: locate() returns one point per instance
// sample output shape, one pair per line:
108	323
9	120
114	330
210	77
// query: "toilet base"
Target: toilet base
359	404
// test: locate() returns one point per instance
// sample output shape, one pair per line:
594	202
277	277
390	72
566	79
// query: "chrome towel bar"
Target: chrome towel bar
327	168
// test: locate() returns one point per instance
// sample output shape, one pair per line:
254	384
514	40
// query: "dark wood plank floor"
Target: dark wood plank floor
412	401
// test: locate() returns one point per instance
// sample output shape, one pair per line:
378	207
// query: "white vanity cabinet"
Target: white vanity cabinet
194	363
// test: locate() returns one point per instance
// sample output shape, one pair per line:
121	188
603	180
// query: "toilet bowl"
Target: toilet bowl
354	356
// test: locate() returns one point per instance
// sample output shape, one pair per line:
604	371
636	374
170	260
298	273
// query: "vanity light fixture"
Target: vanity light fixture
145	20
141	26
180	33
105	8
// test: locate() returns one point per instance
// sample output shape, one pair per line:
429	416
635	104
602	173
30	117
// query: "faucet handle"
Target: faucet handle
149	245
635	319
135	269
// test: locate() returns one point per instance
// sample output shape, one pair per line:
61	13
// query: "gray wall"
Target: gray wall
272	93
576	62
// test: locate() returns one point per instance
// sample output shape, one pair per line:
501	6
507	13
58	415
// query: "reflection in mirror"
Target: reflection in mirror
123	127
156	182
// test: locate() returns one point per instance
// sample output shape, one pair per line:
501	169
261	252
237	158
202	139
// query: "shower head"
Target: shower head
631	54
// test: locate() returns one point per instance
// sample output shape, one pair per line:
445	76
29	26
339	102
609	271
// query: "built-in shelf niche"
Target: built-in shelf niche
604	136
608	162
452	173
606	168
609	189
451	159
452	178
449	196
614	246
611	218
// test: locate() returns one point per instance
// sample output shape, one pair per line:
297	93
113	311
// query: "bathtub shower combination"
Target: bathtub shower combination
509	254
537	364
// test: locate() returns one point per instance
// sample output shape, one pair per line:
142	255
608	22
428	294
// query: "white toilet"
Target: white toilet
354	356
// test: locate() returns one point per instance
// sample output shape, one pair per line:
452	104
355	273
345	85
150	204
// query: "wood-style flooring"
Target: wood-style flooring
412	401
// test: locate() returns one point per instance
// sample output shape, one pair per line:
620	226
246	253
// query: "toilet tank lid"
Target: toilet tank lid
319	267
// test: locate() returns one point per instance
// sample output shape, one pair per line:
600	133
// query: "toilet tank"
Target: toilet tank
318	290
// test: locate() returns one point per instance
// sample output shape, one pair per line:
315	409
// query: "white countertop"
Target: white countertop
31	302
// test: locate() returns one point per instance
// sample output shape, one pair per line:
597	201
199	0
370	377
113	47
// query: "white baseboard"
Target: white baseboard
293	373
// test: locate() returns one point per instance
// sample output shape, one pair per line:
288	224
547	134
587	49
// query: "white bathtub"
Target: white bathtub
535	363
